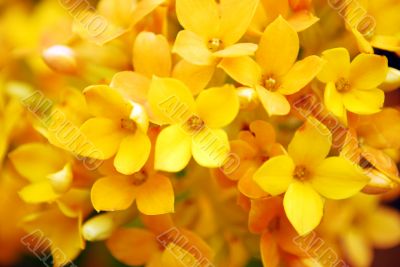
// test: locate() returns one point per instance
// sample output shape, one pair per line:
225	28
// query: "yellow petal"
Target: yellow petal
357	247
368	71
232	28
199	16
132	85
103	101
52	225
218	106
302	20
35	161
333	100
242	69
300	75
123	240
173	149
383	228
237	50
195	77
112	193
303	207
151	55
192	48
176	256
210	147
38	193
278	47
275	175
310	144
170	100
155	196
364	102
273	102
133	153
103	135
337	65
338	178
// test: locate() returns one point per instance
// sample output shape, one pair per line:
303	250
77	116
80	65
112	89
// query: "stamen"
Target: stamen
342	85
214	44
269	83
301	173
195	123
128	124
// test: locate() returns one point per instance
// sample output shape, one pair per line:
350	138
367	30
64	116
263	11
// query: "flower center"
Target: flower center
128	124
214	44
342	85
269	83
274	224
195	123
301	173
139	178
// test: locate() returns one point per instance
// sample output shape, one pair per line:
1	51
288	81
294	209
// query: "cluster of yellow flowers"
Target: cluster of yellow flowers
290	110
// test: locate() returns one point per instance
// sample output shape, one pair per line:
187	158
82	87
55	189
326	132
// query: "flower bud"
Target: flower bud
61	59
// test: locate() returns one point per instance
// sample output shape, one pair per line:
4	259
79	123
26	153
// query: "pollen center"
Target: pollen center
301	173
195	123
269	83
342	85
128	124
214	44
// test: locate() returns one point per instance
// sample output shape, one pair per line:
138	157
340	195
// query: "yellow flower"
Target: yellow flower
48	228
277	73
46	168
353	86
212	30
119	128
152	191
194	128
305	174
297	13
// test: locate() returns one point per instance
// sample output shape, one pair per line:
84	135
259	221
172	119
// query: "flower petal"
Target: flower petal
237	50
232	28
133	153
35	161
383	228
131	85
210	147
310	144
199	16
170	100
123	240
278	47
151	55
195	77
302	20
333	100
368	71
103	135
273	102
338	178
173	149
337	65
218	106
103	101
364	102
300	75
192	48
242	69
357	247
112	193
275	175
38	193
303	207
155	196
